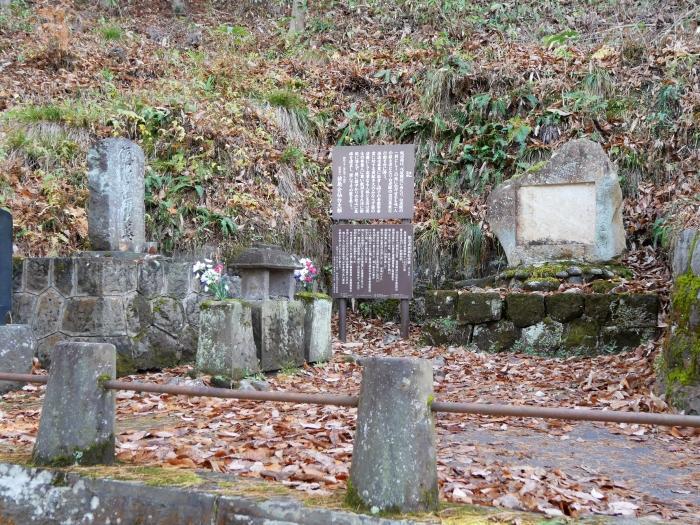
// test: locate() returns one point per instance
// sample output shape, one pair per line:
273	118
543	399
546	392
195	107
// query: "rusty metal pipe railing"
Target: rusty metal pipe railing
226	393
23	378
607	416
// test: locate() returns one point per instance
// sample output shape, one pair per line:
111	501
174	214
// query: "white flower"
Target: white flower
210	277
199	267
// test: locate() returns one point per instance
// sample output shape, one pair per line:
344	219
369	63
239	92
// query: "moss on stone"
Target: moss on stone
312	296
685	295
96	454
580	336
102	379
206	305
542	284
564	307
126	365
603	286
682	357
598	306
525	309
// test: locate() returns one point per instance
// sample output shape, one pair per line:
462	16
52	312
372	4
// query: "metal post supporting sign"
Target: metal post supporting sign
373	261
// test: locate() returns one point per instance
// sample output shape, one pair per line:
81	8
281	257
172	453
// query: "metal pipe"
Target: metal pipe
23	378
254	395
609	416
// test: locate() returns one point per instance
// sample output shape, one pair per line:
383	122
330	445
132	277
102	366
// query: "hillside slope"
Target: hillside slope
237	117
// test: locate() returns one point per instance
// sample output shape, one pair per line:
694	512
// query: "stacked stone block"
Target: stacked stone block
556	324
147	308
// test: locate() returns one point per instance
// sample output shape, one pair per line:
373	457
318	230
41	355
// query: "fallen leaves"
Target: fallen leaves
309	447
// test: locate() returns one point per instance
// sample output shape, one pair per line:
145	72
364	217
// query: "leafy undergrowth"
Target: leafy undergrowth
309	448
237	117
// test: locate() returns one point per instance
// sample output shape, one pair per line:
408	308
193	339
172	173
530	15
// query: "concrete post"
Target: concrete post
77	418
394	464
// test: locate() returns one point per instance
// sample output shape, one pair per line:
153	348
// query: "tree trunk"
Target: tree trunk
298	21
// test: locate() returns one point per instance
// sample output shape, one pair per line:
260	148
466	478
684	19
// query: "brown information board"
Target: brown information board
373	261
373	182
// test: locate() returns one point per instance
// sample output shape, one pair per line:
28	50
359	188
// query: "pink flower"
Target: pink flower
219	268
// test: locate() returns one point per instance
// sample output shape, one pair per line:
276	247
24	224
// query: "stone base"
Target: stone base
226	345
317	327
16	353
278	329
147	308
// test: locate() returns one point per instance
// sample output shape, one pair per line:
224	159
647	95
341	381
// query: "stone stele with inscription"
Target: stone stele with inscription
571	209
116	208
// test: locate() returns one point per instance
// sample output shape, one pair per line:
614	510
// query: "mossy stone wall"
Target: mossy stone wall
557	324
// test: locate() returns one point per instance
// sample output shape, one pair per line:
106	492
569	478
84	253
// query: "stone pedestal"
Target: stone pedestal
394	463
317	326
77	417
226	346
16	353
278	328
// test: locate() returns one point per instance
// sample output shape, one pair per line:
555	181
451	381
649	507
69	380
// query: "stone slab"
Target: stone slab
570	209
41	496
317	329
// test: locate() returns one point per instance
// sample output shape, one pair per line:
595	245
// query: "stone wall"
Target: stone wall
558	324
679	365
147	308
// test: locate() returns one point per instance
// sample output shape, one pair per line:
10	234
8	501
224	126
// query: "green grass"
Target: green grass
111	32
285	99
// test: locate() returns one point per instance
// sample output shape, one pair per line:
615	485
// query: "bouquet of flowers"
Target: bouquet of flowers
212	277
307	273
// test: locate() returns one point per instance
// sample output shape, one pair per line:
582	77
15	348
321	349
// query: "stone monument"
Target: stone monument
116	207
571	209
5	264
